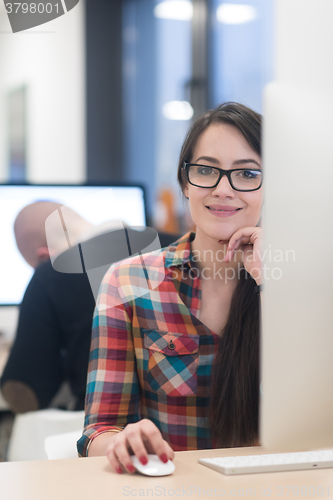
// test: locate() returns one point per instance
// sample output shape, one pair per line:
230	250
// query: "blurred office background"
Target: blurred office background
107	91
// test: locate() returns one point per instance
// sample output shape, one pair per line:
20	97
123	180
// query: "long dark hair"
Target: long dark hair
234	404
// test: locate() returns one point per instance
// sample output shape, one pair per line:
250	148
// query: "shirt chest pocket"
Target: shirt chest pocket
172	362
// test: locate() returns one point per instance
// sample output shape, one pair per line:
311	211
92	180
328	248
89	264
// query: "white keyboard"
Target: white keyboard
270	463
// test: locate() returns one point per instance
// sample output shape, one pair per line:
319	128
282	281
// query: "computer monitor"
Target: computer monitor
96	203
296	410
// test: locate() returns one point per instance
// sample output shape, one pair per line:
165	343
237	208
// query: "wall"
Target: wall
305	40
49	59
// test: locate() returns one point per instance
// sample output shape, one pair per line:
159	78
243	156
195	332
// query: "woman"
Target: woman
176	368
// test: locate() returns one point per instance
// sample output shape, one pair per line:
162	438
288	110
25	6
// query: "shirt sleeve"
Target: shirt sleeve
112	398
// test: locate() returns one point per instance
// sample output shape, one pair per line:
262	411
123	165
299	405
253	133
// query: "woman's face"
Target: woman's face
219	212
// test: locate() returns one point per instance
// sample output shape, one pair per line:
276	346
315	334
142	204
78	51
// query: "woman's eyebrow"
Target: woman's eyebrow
249	160
237	162
208	158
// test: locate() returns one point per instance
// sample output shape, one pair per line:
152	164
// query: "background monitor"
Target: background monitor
97	203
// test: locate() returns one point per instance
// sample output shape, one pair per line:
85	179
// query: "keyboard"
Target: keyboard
277	462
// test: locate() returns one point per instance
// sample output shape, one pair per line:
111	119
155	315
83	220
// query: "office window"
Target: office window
241	50
157	69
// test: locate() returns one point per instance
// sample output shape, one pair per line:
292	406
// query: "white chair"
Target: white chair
30	430
62	445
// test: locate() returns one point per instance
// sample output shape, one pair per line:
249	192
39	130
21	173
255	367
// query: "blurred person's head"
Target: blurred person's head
30	234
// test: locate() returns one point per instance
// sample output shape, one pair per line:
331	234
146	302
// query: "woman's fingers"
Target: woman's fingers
248	240
244	240
135	439
141	438
118	454
169	451
154	437
244	231
243	236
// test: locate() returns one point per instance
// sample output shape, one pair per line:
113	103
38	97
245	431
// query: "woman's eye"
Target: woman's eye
206	171
248	174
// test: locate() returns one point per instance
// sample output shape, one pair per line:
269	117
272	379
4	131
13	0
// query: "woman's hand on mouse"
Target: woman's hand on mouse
248	240
140	438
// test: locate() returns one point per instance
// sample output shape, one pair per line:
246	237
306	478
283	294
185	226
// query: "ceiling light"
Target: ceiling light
177	110
182	10
229	13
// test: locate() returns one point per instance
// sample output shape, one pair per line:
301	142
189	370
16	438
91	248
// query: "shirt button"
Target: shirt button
171	345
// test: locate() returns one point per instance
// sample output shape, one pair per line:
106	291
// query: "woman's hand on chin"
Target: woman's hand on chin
248	240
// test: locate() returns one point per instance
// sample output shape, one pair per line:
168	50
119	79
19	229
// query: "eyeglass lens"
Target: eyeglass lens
204	176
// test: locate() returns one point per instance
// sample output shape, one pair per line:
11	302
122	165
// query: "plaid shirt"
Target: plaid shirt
151	357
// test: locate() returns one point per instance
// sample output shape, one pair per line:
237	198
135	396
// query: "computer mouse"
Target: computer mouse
154	467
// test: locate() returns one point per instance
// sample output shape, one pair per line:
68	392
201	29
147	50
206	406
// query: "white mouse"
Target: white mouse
154	467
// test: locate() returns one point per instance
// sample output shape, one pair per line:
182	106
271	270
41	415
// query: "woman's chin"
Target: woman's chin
221	237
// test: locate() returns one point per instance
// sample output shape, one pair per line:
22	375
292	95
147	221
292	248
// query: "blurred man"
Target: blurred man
29	230
53	336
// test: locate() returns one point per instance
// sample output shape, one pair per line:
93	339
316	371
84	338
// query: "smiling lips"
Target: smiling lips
223	210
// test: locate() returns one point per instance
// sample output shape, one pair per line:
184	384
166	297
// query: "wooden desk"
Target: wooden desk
92	479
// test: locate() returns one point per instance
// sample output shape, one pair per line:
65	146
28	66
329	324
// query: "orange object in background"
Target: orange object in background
166	218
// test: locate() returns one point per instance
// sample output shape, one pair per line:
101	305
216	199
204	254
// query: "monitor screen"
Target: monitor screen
97	204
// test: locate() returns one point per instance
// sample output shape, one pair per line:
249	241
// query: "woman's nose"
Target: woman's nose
224	188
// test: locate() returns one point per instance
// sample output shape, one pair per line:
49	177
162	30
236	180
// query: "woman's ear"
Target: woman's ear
185	192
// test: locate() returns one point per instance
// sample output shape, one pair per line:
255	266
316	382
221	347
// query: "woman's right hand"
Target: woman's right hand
139	439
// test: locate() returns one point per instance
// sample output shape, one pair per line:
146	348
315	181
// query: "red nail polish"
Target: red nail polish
130	468
143	460
119	470
164	458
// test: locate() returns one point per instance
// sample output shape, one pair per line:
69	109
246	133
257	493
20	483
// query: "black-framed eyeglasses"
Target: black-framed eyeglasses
240	179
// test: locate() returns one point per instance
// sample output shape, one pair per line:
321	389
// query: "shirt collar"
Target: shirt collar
179	253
